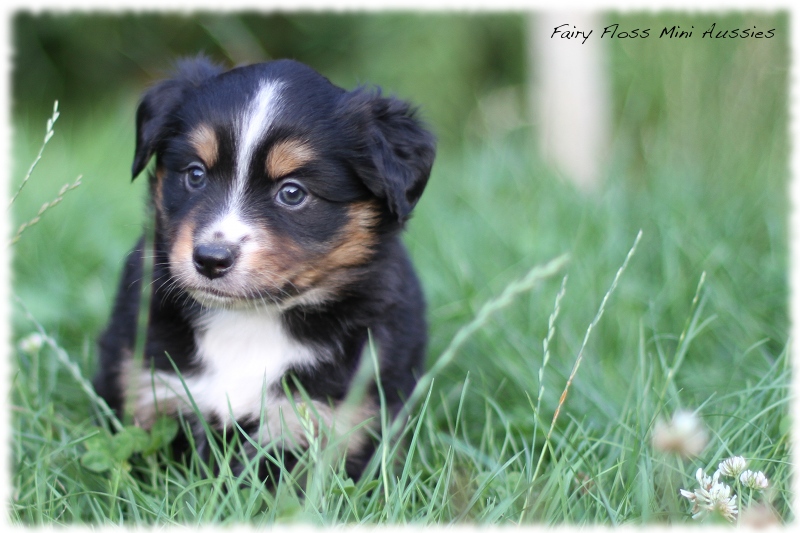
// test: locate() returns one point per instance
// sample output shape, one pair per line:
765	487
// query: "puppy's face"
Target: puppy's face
272	185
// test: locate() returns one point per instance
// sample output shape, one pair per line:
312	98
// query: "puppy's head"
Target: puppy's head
271	184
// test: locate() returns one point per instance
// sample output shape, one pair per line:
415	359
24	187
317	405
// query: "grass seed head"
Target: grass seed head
32	343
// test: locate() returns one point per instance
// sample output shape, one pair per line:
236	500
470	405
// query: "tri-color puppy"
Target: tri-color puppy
278	200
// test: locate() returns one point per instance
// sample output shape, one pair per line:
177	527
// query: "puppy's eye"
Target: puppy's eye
195	177
292	195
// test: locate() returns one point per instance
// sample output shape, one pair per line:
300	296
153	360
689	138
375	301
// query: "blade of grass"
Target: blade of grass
575	367
47	136
688	333
72	367
534	276
45	207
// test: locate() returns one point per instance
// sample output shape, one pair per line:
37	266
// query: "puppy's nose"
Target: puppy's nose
214	260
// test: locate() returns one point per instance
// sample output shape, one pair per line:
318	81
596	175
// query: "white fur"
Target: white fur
254	124
241	354
229	228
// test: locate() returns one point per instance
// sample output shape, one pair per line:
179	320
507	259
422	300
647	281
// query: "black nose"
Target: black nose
214	260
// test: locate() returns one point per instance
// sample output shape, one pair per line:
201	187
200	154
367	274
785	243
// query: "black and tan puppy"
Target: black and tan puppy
278	200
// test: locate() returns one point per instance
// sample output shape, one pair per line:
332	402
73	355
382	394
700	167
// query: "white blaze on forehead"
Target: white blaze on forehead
254	124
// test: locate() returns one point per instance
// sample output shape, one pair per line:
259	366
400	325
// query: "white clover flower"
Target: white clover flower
754	480
707	485
733	466
711	497
684	434
721	501
700	497
32	343
692	497
706	482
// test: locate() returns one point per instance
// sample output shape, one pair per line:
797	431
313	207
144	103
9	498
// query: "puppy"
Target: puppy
278	201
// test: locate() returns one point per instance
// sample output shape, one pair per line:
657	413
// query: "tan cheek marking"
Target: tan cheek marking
272	263
287	156
280	262
358	238
353	248
204	141
183	247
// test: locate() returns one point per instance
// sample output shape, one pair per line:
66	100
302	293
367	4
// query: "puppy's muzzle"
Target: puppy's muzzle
214	260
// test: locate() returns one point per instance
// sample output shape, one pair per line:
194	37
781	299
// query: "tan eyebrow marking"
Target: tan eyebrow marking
287	156
204	140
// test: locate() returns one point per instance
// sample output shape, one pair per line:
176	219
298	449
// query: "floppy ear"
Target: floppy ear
399	150
159	101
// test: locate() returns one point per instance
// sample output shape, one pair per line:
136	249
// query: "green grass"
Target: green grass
698	320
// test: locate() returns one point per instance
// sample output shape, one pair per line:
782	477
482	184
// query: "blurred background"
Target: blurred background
696	158
444	62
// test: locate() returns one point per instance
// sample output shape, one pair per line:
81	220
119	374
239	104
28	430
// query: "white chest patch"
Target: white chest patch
241	353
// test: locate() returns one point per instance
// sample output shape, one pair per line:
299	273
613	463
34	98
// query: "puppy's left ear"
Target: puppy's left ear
398	149
151	117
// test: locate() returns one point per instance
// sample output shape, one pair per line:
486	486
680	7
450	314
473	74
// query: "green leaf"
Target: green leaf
99	441
140	438
347	487
122	446
369	486
162	433
97	461
166	428
287	506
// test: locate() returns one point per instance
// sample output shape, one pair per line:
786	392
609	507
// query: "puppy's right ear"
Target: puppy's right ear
160	101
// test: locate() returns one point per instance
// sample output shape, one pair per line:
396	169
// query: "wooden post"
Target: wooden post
569	96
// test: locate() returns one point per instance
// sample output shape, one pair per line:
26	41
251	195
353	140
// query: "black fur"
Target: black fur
366	150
